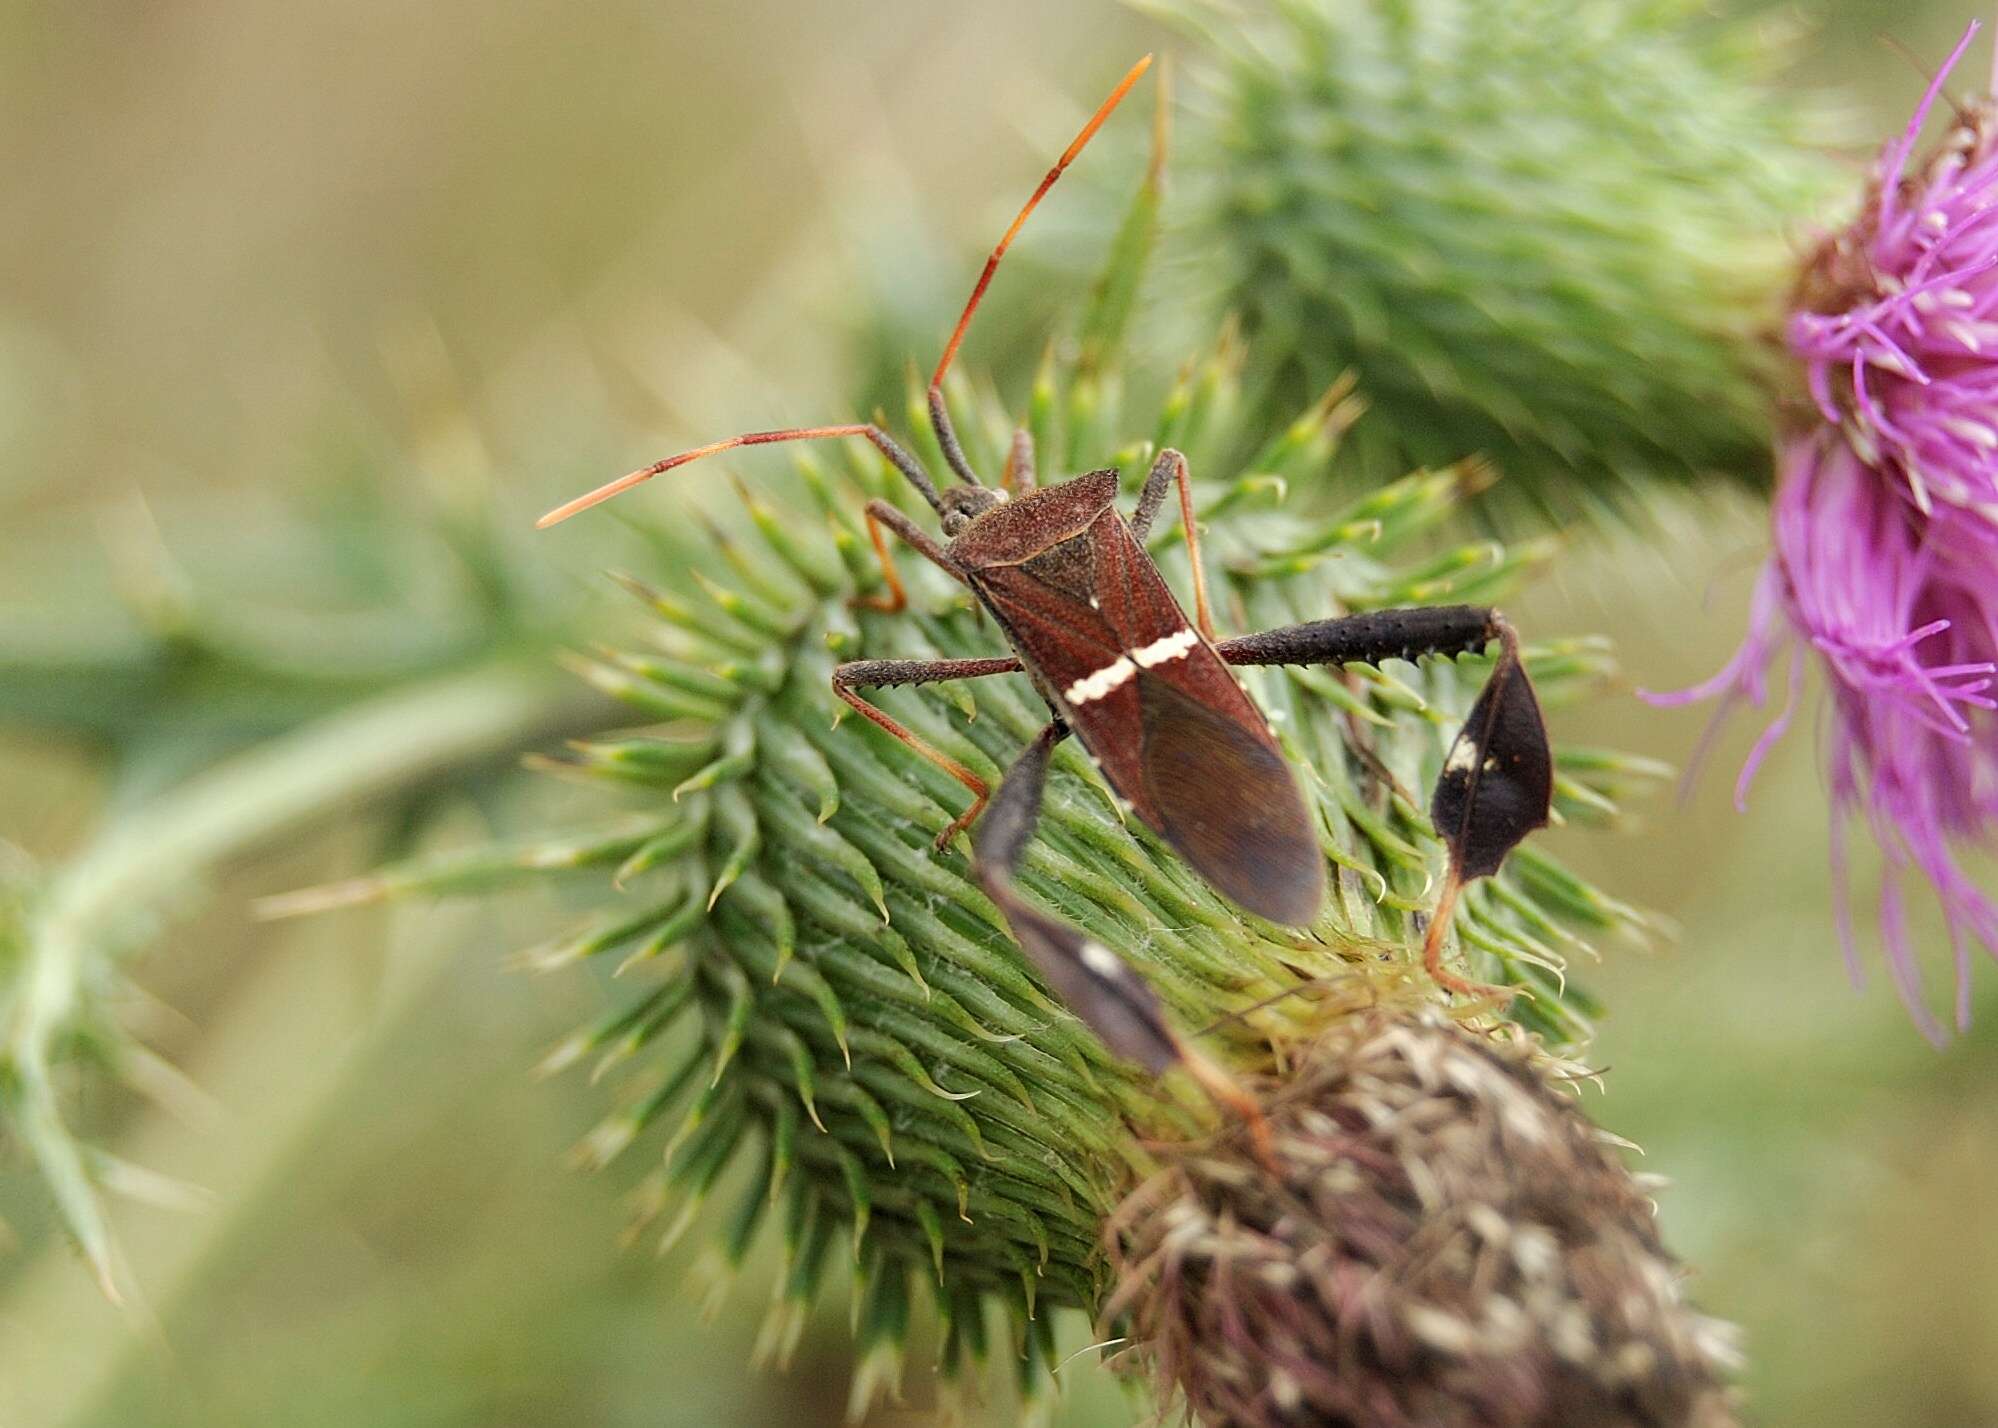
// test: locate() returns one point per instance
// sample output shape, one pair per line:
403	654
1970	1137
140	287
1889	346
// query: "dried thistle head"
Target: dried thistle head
1443	1241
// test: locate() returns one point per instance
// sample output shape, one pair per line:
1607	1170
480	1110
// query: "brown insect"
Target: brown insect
1152	697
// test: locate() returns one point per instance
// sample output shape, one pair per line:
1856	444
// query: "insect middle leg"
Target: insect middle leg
886	673
1170	469
1112	1000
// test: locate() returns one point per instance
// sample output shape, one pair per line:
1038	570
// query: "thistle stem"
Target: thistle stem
142	863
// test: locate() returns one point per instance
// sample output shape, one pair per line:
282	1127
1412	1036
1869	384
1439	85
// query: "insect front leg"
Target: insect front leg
1113	1001
881	516
1497	783
1020	476
1171	469
886	673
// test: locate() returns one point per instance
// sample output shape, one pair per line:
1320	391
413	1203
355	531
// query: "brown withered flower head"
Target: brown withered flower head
1438	1238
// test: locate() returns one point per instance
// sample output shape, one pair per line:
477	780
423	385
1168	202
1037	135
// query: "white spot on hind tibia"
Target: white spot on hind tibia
1101	960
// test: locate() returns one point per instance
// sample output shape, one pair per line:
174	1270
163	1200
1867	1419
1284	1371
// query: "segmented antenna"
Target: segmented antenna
999	251
646	473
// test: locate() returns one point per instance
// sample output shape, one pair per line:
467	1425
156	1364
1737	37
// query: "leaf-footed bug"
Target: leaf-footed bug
1151	697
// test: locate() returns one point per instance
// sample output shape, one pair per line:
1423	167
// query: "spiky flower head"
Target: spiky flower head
820	1017
1442	1241
1885	559
1549	232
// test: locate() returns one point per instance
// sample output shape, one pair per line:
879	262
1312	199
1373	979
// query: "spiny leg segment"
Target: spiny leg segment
885	673
1371	638
1497	780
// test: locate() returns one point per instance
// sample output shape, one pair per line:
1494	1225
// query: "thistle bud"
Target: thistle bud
805	988
1553	233
820	1017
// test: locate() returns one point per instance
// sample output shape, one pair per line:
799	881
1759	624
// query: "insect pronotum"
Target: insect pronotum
1151	697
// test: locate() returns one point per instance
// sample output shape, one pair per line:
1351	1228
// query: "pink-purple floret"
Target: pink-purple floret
1885	528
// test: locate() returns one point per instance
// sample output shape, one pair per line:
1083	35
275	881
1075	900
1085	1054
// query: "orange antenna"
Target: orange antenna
1068	157
900	459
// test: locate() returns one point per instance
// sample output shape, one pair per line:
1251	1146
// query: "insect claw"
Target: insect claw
1477	992
1432	955
1226	1091
963	820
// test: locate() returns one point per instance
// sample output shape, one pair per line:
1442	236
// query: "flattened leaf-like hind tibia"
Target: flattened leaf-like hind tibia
1497	784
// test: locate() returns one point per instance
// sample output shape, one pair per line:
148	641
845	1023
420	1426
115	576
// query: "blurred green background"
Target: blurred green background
246	241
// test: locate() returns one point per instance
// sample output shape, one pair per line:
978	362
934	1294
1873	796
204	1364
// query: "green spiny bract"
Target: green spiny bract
1555	233
813	1005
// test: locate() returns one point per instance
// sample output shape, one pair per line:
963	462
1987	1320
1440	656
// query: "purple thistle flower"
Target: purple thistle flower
1885	534
1899	326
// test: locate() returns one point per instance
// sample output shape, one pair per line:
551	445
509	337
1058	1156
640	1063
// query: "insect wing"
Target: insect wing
1229	804
1161	713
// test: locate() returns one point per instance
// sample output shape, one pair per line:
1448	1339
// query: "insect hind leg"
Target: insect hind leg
1371	638
1096	984
1001	841
1497	783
